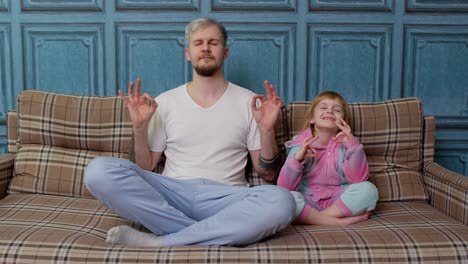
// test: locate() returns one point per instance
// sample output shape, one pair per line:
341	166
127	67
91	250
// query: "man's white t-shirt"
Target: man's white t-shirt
210	143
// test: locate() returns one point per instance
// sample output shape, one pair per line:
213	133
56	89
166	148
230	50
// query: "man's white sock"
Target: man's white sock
125	235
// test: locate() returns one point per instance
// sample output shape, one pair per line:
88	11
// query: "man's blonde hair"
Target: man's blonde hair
201	23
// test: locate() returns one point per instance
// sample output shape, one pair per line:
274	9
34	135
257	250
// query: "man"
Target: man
206	128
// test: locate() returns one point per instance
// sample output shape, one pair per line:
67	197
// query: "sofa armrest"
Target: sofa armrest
7	162
448	191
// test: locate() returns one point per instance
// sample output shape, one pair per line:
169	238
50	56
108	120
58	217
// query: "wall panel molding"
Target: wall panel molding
355	6
353	60
3	139
435	71
258	5
62	5
7	100
367	50
4	6
64	58
261	52
153	52
157	5
436	6
452	148
453	160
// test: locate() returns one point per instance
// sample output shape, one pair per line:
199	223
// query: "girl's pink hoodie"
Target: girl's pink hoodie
318	179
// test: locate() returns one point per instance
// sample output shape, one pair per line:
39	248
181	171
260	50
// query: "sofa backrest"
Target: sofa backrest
58	135
12	132
55	136
392	135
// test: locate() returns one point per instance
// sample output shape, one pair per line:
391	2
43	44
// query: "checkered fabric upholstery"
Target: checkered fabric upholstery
6	172
12	129
429	139
448	191
58	135
56	229
45	222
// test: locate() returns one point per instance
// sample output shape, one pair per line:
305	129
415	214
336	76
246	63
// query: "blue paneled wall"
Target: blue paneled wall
367	50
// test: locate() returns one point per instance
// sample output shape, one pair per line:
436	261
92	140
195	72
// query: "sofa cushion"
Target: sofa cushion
12	129
56	229
392	134
59	134
53	170
75	122
7	162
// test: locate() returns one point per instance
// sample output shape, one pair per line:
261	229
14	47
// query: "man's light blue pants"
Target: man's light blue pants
189	212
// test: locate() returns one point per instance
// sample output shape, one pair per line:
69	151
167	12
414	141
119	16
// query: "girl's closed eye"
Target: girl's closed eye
337	108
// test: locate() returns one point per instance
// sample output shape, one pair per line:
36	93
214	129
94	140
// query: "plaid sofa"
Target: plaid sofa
47	215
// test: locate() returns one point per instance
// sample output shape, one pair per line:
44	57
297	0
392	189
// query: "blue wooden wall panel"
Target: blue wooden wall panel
457	161
436	68
353	60
6	99
261	52
4	5
64	58
259	5
436	6
368	50
452	146
3	73
157	5
154	53
62	5
356	5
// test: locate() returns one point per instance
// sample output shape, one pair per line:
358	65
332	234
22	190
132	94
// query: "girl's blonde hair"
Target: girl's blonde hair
326	95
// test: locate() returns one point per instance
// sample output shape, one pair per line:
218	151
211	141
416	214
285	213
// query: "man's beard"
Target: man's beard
206	71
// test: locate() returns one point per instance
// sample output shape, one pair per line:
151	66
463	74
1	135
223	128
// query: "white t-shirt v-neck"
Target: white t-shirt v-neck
210	143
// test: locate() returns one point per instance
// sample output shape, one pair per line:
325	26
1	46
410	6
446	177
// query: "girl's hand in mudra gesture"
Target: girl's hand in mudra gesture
306	149
345	134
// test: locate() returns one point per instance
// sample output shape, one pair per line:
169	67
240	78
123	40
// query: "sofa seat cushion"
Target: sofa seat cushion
51	220
61	229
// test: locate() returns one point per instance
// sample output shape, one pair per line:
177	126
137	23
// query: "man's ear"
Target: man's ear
226	52
187	55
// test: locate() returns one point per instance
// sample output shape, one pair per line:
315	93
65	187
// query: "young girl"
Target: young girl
326	168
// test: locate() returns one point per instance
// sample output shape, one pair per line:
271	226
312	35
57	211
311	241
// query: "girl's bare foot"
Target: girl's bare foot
349	220
318	218
332	211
